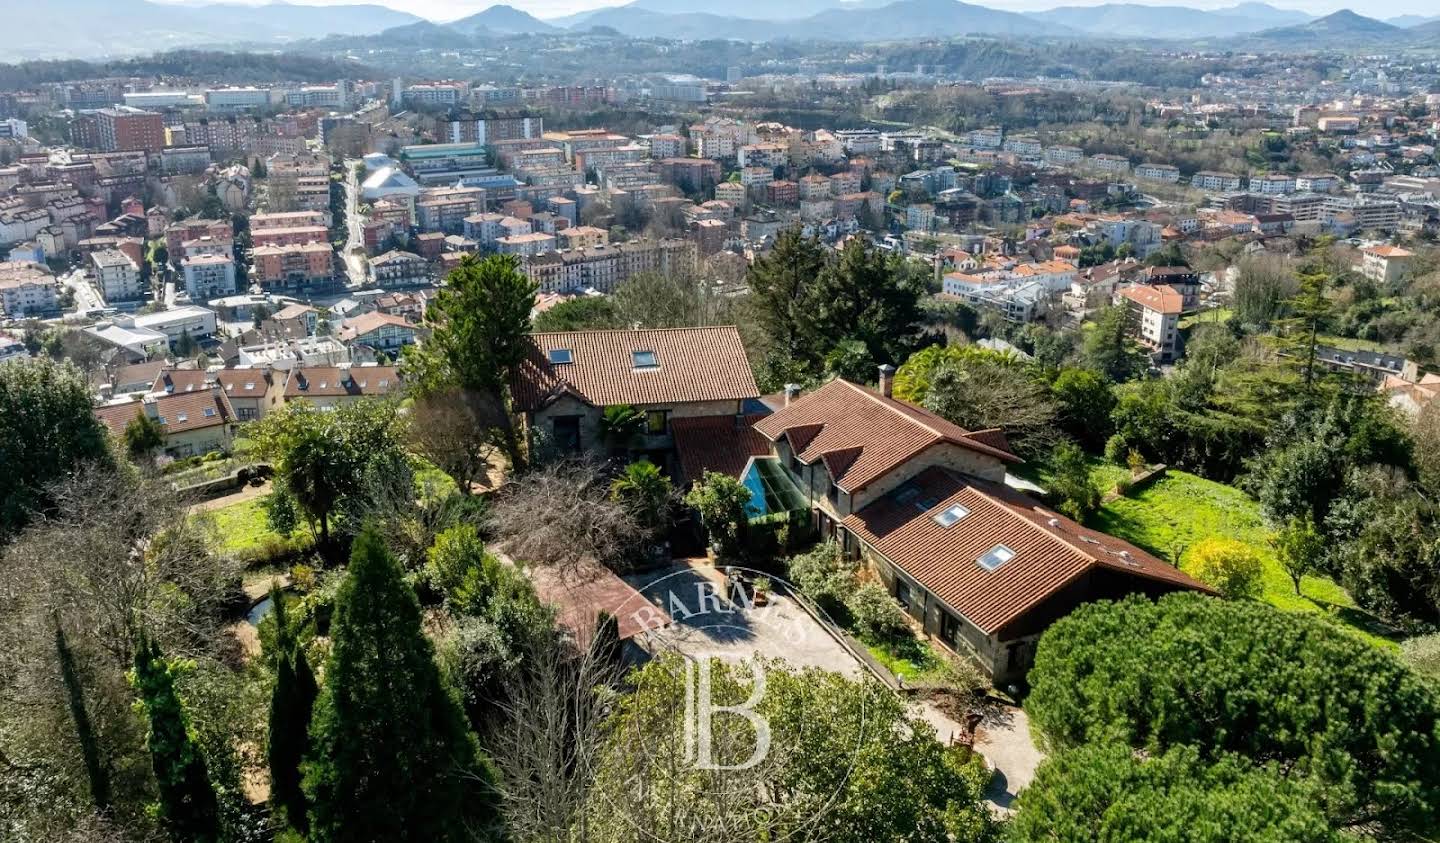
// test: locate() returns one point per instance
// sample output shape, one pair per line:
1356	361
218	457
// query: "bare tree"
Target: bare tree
549	741
560	515
455	430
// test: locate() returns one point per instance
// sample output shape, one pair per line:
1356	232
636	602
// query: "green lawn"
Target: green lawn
243	531
1180	509
1218	314
913	661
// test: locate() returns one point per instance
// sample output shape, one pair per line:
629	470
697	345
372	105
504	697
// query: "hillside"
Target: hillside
505	20
1341	29
1129	20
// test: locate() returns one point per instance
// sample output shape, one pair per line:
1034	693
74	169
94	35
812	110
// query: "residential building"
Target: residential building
208	276
333	386
1273	184
1062	155
1109	163
117	277
378	331
525	245
981	568
126	129
566	380
251	391
194	423
1215	182
294	267
27	290
469	128
398	269
1153	317
1167	173
1384	264
445	209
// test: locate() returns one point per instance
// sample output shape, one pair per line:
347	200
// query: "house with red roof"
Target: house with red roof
980	567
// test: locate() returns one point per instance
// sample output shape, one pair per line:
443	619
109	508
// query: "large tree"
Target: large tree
1109	349
866	295
392	758
1110	792
292	701
871	773
47	429
783	285
331	462
1244	678
187	808
481	320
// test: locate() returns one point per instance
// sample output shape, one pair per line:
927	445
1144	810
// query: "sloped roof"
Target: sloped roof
861	435
1050	550
177	413
174	381
694	364
333	381
1161	298
717	443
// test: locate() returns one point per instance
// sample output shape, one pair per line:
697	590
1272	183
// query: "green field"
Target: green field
243	532
1181	509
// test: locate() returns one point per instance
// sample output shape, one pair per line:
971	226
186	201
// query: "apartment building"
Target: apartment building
208	276
1215	182
1153	317
1273	184
117	277
293	267
1166	173
398	269
1384	264
1061	156
1109	163
445	209
26	290
127	129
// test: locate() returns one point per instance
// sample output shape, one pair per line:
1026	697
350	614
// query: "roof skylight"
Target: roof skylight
995	557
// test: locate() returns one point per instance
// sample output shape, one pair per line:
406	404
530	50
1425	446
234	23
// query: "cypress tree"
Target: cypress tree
391	757
188	807
291	704
84	732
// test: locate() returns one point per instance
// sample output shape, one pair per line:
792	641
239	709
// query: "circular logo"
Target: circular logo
742	724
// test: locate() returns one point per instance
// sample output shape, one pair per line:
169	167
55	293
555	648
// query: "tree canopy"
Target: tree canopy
1243	678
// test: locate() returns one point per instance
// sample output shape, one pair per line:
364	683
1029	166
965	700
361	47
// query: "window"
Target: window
951	515
560	356
908	494
249	385
950	630
209	412
645	360
995	557
657	422
566	430
180	417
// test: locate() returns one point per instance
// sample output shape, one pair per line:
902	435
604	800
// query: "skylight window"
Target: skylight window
951	515
209	412
907	495
181	417
646	360
560	356
249	385
995	557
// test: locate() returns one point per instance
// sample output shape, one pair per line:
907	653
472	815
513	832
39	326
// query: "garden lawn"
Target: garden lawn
1180	509
913	661
243	530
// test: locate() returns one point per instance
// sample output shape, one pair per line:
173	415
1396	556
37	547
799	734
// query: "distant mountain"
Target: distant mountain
753	9
1131	20
505	20
1341	29
1408	21
116	27
426	35
1425	33
898	20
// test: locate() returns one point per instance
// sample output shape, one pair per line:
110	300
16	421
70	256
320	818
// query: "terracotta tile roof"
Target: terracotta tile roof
244	383
333	381
717	443
178	413
172	381
1388	252
861	435
1050	550
1161	298
694	364
368	322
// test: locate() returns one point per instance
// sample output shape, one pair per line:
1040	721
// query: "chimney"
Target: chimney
792	391
887	380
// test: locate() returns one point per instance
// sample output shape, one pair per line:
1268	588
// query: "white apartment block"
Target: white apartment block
208	276
1110	163
1167	173
1062	155
1216	182
1273	184
116	276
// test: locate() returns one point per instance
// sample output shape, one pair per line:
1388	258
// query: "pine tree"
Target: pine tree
188	808
291	705
391	755
783	286
84	732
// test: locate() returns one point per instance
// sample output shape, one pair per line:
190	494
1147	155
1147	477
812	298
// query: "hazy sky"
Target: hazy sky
443	10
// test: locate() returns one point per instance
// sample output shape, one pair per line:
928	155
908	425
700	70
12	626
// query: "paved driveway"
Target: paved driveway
706	624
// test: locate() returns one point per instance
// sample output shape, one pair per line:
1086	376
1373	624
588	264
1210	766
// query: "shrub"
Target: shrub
1117	449
1108	792
1422	653
1248	679
823	575
1231	567
877	615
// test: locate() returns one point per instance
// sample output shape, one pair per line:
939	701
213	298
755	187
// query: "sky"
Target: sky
445	10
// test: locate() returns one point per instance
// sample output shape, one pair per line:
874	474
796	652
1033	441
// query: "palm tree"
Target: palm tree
647	493
620	426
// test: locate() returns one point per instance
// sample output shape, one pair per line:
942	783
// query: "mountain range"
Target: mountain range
110	27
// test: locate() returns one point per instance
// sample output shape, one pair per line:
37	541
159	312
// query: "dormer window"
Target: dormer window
995	557
645	360
560	356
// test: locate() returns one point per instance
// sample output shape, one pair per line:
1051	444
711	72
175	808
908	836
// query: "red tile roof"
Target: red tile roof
332	381
178	413
717	443
1161	298
244	383
172	381
861	435
695	364
1050	550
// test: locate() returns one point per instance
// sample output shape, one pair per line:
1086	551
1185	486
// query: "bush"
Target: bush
877	615
1117	450
1231	567
823	575
1422	653
1248	679
1108	792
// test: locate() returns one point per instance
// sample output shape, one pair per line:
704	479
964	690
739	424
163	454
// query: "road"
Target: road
355	244
86	298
